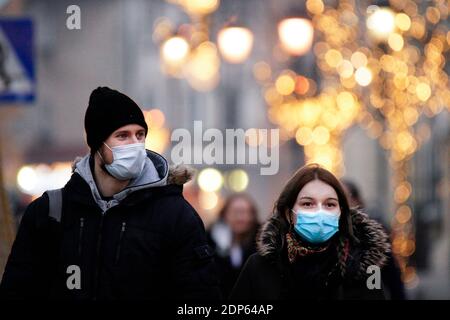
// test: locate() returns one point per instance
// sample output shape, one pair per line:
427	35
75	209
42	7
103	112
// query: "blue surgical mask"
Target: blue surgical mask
316	227
128	161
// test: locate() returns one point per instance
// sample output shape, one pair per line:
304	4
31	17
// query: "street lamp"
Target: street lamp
202	68
199	7
296	35
193	56
175	50
235	43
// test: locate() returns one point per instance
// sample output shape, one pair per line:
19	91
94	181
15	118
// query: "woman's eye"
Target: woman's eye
331	205
307	204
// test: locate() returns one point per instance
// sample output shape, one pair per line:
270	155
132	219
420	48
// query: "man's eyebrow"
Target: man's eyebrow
128	131
122	131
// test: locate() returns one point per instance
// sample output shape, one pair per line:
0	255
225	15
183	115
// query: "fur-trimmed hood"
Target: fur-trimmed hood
178	174
373	247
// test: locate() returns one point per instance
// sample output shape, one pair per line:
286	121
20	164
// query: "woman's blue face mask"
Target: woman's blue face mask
317	212
316	227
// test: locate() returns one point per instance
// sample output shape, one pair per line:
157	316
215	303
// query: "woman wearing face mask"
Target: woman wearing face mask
314	246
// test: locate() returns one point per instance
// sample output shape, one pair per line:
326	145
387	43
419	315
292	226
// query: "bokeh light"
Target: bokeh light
210	180
296	35
235	43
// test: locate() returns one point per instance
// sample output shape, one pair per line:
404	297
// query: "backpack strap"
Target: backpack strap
55	204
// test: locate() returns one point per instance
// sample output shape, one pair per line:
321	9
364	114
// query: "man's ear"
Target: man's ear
100	155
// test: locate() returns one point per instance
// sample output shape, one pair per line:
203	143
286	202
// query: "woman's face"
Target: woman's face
314	196
239	216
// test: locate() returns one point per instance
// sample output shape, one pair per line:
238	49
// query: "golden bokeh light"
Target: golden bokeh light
320	135
238	180
262	71
202	70
304	136
402	21
423	91
210	180
315	6
296	35
199	7
359	59
285	84
175	50
381	22
363	76
333	58
395	41
235	43
345	69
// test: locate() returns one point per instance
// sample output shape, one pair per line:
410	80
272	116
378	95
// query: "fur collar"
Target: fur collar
180	174
372	248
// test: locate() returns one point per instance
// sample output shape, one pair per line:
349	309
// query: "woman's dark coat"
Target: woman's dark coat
269	275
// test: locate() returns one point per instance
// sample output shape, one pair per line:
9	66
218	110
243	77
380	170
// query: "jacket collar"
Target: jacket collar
157	174
372	249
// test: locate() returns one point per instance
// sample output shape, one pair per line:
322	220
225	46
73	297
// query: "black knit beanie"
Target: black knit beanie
109	110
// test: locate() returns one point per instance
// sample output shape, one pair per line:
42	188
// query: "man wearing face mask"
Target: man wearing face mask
123	229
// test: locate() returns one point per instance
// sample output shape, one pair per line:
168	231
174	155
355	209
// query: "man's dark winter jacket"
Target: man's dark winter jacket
269	275
145	243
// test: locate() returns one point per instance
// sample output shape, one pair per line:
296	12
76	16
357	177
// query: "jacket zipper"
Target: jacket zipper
97	270
122	231
80	238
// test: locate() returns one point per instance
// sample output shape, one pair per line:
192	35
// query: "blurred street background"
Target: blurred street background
360	87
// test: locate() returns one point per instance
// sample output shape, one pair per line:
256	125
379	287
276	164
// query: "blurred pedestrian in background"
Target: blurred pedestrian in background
394	287
314	246
234	238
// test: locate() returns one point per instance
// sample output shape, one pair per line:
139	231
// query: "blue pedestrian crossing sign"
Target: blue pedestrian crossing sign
17	72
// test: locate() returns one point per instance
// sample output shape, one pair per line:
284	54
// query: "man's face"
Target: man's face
129	134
